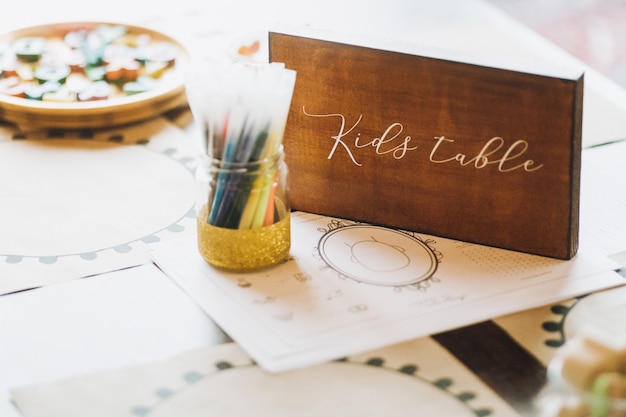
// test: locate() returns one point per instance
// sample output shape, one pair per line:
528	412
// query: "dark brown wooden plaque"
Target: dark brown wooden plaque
433	141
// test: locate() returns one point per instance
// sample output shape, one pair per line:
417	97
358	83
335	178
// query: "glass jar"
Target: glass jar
560	398
243	212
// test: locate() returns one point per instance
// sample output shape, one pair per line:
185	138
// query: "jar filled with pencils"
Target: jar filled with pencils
243	219
242	203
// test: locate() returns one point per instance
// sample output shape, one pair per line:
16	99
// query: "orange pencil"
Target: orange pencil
269	211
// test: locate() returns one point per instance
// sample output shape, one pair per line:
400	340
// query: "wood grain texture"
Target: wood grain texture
421	143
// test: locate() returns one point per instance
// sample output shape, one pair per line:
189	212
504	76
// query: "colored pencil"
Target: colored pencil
244	111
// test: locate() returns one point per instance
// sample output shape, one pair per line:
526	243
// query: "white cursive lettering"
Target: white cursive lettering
387	143
393	142
398	151
486	156
339	137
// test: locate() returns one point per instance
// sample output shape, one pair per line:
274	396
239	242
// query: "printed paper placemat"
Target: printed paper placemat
78	203
414	378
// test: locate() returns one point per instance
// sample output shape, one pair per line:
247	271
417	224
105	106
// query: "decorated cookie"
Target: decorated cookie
126	61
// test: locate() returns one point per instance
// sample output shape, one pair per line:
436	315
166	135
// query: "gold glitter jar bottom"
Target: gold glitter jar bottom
241	250
243	213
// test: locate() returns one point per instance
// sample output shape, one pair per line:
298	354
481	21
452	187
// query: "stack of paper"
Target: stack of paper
351	287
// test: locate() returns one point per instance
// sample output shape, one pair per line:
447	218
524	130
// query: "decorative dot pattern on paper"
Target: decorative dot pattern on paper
164	393
191	378
504	263
556	327
140	411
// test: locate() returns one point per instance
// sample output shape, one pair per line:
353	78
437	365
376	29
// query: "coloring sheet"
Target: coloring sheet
350	287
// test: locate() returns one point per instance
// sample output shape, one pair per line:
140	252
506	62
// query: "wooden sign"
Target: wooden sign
433	141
